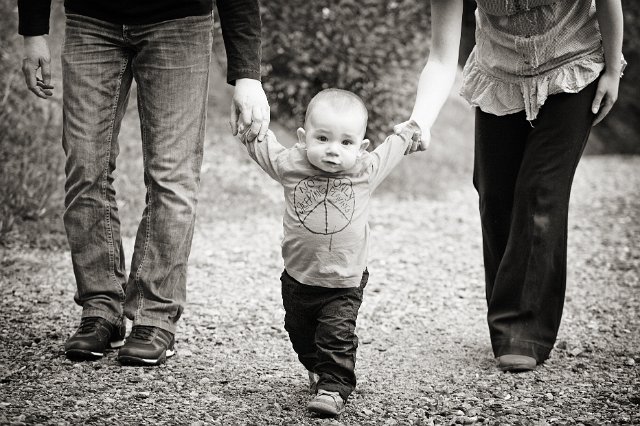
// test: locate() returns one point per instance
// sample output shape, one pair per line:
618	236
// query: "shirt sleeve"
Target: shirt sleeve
241	31
266	154
387	156
33	17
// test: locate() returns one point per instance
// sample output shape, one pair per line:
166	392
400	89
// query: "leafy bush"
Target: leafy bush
373	48
29	137
377	49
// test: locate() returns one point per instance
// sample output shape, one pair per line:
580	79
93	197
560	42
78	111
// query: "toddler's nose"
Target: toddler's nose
331	149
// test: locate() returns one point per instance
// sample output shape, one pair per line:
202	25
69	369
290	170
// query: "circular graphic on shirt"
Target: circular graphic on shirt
324	205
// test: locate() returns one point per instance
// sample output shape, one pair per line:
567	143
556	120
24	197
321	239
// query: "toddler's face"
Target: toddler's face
333	139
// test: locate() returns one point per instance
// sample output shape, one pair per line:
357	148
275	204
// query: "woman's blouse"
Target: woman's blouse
527	50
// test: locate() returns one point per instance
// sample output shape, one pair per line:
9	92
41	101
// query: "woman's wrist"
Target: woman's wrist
422	124
615	68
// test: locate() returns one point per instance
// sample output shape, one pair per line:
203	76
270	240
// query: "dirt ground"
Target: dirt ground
424	355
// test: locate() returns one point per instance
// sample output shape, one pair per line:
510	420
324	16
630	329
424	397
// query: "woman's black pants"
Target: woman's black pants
523	173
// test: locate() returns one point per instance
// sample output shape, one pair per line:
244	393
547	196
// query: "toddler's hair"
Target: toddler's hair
337	98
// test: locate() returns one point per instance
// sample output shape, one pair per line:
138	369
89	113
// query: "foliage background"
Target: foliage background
373	47
31	159
377	48
367	46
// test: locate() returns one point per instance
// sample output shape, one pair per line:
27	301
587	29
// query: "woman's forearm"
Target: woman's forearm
434	87
609	14
439	73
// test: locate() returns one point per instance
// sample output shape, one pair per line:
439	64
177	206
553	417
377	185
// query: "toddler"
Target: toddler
328	178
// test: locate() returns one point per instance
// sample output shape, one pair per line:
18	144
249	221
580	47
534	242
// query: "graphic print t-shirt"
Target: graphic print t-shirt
326	230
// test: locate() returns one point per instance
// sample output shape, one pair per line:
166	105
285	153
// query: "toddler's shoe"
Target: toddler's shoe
516	363
313	383
326	403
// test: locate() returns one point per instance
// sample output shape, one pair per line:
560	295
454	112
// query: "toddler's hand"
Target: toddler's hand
420	138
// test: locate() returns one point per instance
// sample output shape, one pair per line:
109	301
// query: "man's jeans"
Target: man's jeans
170	64
523	175
321	323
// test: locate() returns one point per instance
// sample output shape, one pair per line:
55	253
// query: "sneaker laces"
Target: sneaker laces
88	324
142	332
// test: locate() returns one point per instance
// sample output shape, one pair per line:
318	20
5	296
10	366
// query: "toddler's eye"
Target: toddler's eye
347	142
322	138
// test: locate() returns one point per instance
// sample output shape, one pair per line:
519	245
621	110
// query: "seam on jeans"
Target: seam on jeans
149	209
105	173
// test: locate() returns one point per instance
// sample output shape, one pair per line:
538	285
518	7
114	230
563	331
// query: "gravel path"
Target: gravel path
424	356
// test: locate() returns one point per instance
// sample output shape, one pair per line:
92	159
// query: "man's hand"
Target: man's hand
250	114
37	56
420	138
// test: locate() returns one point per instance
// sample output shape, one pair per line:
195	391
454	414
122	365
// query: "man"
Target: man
165	46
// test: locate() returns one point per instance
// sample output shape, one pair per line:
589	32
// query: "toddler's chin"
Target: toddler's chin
327	167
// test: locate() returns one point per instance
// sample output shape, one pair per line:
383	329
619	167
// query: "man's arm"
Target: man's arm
241	31
33	17
33	24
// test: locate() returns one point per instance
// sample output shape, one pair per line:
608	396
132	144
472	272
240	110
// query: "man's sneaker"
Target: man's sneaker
92	338
313	383
146	345
326	403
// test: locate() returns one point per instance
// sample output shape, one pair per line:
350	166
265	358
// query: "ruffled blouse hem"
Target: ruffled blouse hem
500	96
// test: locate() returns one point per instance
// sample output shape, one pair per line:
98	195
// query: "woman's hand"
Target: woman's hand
606	95
611	22
420	138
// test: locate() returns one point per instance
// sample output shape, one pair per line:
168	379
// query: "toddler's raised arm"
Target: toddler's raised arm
389	153
265	153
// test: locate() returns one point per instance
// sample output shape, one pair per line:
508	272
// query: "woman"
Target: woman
541	74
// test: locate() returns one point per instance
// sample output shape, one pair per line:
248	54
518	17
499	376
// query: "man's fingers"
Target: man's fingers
245	117
41	84
255	122
29	70
47	89
45	67
266	119
234	119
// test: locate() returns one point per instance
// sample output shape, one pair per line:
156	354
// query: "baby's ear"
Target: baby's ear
302	140
363	146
